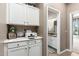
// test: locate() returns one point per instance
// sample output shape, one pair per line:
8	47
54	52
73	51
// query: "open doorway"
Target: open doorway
74	32
53	31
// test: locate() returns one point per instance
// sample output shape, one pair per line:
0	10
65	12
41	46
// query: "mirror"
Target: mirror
52	23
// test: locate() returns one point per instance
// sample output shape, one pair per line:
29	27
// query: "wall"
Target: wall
70	8
43	27
3	27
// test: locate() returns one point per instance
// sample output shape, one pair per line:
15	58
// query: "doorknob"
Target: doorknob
17	45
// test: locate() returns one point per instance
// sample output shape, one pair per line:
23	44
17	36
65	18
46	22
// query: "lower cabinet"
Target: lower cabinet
35	50
26	48
22	51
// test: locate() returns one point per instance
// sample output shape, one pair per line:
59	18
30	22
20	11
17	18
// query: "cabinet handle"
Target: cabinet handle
17	45
27	22
25	48
29	47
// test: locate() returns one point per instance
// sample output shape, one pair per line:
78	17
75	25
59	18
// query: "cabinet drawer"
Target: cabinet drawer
34	42
31	42
17	44
21	51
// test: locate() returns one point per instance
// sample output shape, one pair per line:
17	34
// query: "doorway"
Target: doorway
53	29
74	32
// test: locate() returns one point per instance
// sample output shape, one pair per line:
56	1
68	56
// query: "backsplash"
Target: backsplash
21	28
32	28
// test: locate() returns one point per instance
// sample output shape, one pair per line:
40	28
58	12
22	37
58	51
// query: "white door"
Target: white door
17	13
22	51
35	50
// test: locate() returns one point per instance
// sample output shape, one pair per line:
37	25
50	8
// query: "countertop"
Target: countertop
20	39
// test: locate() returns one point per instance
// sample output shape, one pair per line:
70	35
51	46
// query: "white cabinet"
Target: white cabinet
25	48
36	17
22	14
33	15
35	49
21	51
16	13
18	49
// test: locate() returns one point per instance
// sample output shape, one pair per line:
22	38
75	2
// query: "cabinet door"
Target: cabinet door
36	17
33	16
17	13
23	51
35	50
30	15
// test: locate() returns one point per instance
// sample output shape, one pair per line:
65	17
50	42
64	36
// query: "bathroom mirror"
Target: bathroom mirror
52	23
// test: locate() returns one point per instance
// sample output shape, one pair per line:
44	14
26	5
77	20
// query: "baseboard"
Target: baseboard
64	51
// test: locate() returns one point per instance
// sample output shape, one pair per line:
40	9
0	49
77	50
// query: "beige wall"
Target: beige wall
70	8
43	27
3	27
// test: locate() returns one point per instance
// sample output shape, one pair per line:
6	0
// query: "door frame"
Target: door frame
58	28
71	38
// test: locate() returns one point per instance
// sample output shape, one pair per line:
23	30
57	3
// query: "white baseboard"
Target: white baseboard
64	51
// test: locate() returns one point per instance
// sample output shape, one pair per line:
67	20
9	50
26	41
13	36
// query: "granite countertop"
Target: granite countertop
20	39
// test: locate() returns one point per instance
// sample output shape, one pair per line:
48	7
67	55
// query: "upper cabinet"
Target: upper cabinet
22	14
33	15
16	13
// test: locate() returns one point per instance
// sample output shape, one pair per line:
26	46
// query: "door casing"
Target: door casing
58	28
